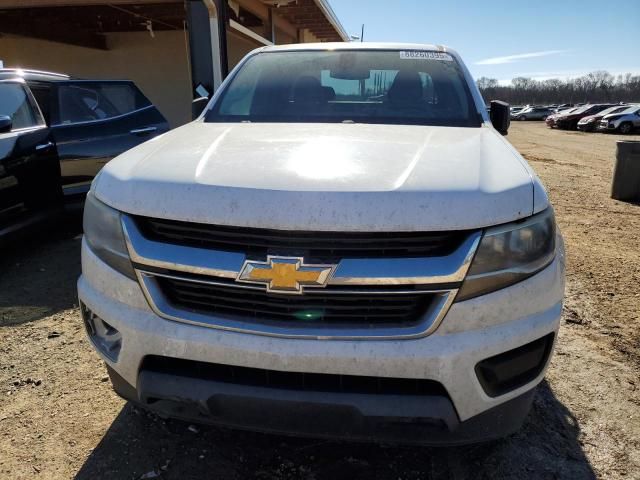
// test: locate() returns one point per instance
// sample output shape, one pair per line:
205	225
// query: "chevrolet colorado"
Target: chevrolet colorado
341	245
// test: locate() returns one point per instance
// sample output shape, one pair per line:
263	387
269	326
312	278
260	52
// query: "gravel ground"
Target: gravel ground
60	419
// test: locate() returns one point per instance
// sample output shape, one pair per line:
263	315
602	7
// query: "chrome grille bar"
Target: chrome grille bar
426	323
435	278
451	268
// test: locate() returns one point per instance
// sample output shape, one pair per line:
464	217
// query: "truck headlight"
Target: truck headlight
510	253
103	232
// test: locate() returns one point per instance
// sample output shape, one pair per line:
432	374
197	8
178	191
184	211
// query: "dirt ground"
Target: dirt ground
60	419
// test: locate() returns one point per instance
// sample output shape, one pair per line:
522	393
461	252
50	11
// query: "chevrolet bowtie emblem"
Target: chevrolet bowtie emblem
285	274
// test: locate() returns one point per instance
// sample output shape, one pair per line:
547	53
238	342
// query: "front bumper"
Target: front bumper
565	124
587	127
471	332
608	127
423	420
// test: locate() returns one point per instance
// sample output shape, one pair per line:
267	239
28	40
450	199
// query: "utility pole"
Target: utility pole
362	33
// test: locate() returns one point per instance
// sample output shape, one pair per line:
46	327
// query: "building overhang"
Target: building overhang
302	20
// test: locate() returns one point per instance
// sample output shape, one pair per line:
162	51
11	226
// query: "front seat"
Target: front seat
406	90
308	91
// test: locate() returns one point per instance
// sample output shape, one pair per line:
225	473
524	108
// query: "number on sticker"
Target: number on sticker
426	55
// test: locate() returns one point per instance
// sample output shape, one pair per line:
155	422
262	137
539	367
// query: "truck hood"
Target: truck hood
348	177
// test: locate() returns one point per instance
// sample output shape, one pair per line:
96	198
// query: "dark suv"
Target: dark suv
91	121
30	189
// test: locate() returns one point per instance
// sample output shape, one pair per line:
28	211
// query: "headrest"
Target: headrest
406	88
308	90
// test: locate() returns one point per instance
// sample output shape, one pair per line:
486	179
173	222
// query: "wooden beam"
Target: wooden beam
21	4
95	19
249	33
284	25
260	10
299	11
256	7
305	14
78	38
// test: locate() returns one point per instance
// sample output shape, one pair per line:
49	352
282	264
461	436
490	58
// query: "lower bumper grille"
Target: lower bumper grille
335	307
318	382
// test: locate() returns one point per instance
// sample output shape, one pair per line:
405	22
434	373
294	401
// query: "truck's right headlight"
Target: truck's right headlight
510	253
103	232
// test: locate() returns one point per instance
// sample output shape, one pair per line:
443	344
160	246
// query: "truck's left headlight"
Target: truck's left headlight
103	232
510	253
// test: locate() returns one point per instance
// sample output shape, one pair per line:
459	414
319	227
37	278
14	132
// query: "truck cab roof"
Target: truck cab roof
358	46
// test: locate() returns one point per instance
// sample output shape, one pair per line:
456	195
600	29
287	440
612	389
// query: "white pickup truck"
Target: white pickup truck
342	245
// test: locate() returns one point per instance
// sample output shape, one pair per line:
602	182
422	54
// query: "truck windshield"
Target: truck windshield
370	86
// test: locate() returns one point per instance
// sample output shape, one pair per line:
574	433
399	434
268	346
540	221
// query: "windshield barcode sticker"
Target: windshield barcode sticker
426	55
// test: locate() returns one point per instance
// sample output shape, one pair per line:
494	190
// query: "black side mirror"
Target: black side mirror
500	115
5	124
197	106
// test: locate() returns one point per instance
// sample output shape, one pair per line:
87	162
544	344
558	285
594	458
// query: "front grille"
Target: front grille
333	306
320	382
259	242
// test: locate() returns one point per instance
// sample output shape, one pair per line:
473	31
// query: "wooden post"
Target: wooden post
626	173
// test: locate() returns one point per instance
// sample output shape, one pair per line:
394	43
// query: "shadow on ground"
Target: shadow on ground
38	273
138	443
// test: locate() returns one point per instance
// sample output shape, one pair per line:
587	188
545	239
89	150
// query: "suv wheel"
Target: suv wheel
625	128
522	117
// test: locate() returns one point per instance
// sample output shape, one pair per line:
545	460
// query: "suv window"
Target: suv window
17	103
88	101
42	95
364	86
598	108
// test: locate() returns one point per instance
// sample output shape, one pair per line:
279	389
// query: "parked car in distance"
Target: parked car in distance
591	122
531	113
624	122
91	121
267	267
30	191
551	119
563	106
569	120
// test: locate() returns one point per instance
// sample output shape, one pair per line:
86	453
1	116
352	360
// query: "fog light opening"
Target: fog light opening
106	338
507	371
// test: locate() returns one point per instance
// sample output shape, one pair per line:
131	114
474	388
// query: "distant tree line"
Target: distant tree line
595	87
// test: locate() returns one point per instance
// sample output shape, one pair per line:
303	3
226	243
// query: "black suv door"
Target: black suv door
93	121
29	167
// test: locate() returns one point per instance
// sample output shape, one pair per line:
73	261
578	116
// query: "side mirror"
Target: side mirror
5	124
197	106
500	115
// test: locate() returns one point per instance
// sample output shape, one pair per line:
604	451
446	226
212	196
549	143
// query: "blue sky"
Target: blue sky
505	39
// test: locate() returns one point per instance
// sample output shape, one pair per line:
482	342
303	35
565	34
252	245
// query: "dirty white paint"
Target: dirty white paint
471	331
333	177
348	177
